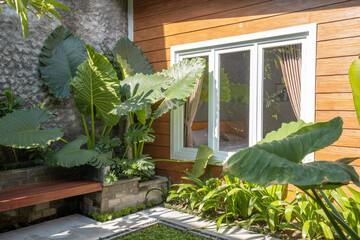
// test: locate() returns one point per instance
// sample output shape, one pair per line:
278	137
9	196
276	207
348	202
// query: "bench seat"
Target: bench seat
12	198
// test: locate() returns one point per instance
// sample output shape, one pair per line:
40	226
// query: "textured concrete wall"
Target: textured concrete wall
94	21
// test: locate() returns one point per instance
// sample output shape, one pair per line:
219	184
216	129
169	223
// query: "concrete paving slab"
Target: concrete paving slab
79	227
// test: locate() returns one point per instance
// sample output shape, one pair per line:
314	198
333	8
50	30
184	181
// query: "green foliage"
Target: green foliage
100	217
96	85
133	56
142	90
20	129
280	161
348	207
185	74
141	167
138	133
60	56
202	157
159	231
354	77
305	215
9	104
39	7
140	206
111	177
71	154
152	203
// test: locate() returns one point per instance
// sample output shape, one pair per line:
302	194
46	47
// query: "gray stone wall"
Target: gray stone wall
122	194
25	176
94	21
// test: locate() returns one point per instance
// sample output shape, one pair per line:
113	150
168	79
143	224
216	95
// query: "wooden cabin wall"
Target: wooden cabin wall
160	24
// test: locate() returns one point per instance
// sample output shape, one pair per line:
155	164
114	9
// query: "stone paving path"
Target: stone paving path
79	227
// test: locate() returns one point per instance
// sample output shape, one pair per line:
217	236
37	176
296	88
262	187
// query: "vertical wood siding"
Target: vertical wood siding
160	24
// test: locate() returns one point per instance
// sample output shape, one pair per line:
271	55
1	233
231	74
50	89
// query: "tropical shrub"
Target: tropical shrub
39	7
278	160
122	85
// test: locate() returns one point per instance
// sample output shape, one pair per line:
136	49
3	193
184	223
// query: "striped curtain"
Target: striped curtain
191	107
290	62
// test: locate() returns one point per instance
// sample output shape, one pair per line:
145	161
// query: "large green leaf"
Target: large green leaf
142	90
202	157
20	129
354	77
185	73
285	130
133	56
96	84
60	56
279	161
70	155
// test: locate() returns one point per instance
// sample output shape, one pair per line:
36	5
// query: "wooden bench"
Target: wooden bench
12	198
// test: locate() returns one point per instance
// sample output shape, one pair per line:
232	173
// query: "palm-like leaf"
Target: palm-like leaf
133	56
202	157
61	54
70	155
20	129
142	90
138	133
185	73
96	84
279	161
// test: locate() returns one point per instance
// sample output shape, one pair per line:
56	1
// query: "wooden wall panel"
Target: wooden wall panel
160	24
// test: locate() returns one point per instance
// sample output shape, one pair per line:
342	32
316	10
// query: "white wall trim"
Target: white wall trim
304	34
130	14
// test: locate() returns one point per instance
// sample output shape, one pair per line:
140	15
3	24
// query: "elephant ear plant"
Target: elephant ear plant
278	160
124	84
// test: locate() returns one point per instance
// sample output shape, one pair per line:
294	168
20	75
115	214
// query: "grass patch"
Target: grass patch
159	231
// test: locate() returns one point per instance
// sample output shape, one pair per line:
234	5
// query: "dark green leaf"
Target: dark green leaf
279	162
71	155
60	56
133	55
20	129
96	85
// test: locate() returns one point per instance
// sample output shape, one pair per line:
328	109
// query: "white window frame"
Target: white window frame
256	42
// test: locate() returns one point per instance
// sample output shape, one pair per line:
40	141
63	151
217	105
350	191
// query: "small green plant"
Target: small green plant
142	167
9	103
100	217
140	206
159	231
111	177
152	203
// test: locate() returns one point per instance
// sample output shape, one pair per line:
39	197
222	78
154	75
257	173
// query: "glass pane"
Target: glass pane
196	114
282	67
234	101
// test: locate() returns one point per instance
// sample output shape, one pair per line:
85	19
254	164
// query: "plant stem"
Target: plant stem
63	140
127	148
328	214
339	218
86	130
15	155
103	132
108	131
92	124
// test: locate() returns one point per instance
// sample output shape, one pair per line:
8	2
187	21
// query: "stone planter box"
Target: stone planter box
123	193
